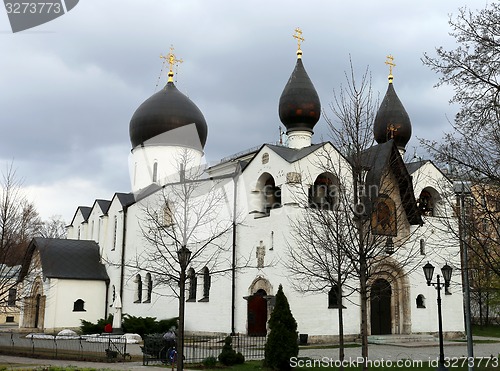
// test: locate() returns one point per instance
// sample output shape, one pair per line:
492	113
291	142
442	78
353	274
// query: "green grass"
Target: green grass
308	366
490	330
18	367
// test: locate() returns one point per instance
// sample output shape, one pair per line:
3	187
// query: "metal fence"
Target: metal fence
199	348
91	348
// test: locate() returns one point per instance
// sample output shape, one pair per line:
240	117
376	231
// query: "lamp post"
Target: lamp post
463	189
446	271
183	254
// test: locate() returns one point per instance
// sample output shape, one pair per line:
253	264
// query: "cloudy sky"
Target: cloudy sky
69	87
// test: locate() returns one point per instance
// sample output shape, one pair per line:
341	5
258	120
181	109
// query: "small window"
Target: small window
422	247
113	296
78	306
192	285
168	214
420	301
333	298
138	289
206	284
115	231
155	172
9	319
149	288
12	297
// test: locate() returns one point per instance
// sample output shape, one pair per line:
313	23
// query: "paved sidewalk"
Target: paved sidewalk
376	352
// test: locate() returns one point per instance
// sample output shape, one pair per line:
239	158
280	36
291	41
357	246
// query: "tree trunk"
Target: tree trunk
341	322
364	314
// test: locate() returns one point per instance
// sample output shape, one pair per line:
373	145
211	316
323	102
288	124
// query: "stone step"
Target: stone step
399	339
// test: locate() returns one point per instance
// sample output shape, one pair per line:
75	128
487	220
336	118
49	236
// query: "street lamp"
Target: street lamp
446	271
183	255
462	190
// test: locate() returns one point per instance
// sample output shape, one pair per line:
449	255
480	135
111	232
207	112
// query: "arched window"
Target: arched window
428	202
272	195
78	306
324	193
138	289
113	296
420	301
206	283
149	288
383	220
192	285
155	172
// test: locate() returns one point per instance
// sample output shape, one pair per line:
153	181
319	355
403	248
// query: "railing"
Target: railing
199	348
91	348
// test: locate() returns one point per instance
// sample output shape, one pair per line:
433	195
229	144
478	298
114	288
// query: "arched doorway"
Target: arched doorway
380	307
257	313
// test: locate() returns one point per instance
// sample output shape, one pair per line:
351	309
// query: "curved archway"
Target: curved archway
257	307
399	301
380	307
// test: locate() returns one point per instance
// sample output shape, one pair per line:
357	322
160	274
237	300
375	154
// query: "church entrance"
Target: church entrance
257	314
380	307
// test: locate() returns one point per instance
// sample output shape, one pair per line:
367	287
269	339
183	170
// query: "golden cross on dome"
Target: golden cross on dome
390	63
171	59
391	130
300	39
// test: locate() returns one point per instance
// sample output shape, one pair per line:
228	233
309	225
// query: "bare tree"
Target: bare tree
365	227
19	223
471	151
54	227
187	223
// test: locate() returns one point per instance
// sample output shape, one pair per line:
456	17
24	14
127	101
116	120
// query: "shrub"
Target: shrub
281	344
228	355
88	328
147	325
210	362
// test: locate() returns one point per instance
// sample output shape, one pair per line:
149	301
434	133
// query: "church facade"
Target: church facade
245	222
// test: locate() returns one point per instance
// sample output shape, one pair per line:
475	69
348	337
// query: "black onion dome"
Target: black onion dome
165	110
299	106
392	120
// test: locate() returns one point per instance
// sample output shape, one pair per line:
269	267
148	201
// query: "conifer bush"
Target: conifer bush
228	355
281	344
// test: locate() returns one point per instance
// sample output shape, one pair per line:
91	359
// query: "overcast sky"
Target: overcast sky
69	87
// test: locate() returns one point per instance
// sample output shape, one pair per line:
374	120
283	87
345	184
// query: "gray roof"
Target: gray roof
126	199
85	212
414	166
103	205
69	259
292	154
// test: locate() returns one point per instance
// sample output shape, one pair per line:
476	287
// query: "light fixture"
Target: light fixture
428	272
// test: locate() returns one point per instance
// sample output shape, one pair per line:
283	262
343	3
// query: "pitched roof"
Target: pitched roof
126	199
414	166
103	205
376	160
69	259
292	154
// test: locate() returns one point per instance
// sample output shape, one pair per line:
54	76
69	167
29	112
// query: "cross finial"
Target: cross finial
390	63
171	59
300	39
391	130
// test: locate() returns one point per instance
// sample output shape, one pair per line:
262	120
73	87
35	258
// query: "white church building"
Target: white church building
241	220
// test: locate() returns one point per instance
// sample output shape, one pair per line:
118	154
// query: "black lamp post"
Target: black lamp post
446	271
183	254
